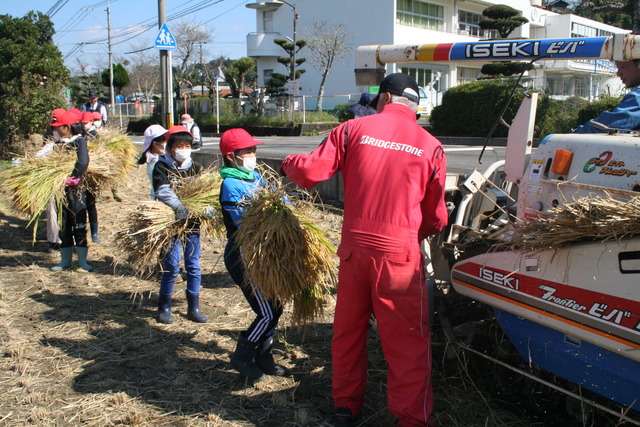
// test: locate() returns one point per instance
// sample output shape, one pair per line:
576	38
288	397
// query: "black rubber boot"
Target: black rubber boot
264	359
242	359
193	312
164	309
343	418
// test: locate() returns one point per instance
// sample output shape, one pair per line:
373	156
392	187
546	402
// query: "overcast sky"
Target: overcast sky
134	23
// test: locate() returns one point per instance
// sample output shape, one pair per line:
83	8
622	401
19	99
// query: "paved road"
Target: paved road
460	159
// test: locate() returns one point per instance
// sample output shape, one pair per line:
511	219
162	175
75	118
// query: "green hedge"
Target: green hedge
471	109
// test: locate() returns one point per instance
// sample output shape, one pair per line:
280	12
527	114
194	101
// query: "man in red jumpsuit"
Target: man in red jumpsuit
394	177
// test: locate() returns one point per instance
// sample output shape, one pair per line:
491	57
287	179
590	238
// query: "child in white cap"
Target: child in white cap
154	146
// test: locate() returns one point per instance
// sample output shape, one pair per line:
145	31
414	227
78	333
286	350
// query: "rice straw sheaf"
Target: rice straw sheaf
147	231
586	219
286	256
122	148
32	183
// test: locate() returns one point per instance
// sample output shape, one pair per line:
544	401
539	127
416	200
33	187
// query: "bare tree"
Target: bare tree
190	36
326	44
144	69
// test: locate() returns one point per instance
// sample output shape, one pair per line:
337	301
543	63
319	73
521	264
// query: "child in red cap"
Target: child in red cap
253	355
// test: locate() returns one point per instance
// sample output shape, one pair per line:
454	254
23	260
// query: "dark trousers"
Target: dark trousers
267	312
92	209
74	219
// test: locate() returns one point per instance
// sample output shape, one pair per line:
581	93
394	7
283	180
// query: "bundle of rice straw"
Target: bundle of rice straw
583	220
35	180
287	256
123	150
147	231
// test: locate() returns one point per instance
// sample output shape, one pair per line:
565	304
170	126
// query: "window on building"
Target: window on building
470	23
267	21
467	74
579	30
417	13
266	75
421	75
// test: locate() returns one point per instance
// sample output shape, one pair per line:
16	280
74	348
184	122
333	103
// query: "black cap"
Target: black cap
398	84
93	94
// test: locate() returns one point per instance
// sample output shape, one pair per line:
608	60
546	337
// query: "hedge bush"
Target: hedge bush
472	108
593	110
558	116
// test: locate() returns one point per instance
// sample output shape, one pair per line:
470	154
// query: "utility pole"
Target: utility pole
111	91
165	71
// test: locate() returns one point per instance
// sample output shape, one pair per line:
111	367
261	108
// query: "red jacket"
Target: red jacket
394	177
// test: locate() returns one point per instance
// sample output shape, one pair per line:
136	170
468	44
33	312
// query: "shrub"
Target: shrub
340	111
593	110
556	116
471	109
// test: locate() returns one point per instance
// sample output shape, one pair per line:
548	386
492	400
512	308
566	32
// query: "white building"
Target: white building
373	22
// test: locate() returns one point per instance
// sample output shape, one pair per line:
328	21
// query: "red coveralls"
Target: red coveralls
394	176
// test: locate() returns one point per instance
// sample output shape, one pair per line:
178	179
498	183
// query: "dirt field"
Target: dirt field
84	348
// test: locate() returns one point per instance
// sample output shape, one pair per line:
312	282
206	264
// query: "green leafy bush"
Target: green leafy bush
471	109
593	110
558	116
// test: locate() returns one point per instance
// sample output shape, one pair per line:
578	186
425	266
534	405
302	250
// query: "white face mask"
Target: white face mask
248	163
88	126
182	154
97	123
56	135
163	149
151	158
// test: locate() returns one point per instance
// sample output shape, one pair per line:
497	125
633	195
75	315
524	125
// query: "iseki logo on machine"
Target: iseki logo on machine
608	166
500	279
521	49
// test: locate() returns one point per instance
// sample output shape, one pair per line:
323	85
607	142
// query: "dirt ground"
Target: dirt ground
84	348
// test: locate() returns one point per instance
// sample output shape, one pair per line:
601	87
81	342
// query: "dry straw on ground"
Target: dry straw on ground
286	255
597	218
146	232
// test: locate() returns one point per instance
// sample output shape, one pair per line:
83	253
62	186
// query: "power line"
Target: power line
56	8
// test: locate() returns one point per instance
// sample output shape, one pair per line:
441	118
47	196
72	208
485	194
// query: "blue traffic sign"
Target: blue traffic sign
165	40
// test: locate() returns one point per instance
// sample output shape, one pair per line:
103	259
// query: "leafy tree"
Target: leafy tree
326	45
32	76
277	83
239	74
503	19
620	13
120	78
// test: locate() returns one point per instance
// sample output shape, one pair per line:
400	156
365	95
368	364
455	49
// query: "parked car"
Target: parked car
425	106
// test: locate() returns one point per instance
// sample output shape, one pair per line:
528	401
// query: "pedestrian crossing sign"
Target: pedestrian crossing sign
165	40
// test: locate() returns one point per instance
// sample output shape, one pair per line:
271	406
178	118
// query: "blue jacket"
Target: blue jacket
624	116
232	193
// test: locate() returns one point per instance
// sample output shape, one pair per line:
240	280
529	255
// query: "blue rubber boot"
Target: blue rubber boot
65	254
82	258
164	309
94	232
193	312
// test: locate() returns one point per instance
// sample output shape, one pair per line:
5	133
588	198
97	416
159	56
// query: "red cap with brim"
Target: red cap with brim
57	112
66	118
236	139
176	129
87	117
76	112
96	115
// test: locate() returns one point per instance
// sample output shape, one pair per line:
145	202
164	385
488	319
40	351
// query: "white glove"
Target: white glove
209	212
